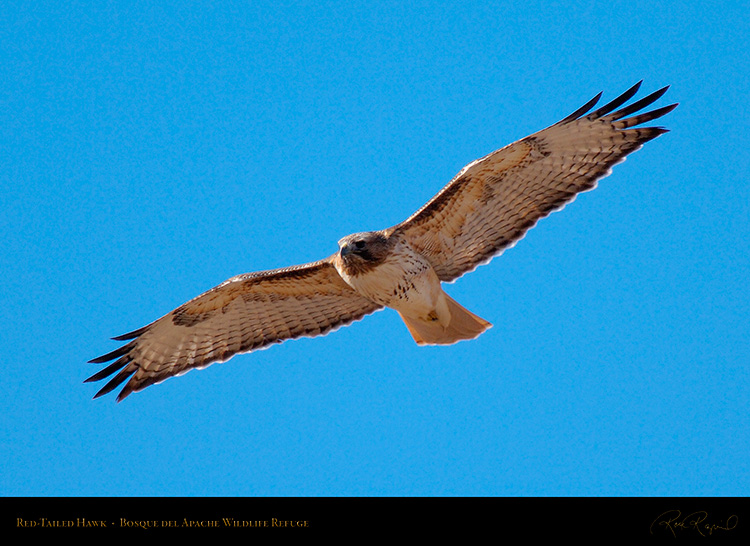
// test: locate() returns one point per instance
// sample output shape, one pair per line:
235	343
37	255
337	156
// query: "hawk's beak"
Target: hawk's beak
346	249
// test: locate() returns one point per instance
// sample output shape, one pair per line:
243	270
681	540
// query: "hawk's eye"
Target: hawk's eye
359	244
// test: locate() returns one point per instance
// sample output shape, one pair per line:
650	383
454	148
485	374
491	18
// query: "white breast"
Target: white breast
405	281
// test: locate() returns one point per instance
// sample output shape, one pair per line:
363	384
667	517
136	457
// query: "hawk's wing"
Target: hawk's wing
495	200
242	314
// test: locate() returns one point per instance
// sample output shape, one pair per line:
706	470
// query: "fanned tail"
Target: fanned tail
463	325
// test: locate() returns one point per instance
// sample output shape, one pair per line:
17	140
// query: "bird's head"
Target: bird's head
362	251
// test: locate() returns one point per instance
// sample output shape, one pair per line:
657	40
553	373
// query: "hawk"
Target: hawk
484	209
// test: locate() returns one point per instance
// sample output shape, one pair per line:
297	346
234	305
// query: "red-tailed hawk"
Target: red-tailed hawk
485	209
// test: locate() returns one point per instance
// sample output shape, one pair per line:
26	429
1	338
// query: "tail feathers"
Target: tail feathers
463	325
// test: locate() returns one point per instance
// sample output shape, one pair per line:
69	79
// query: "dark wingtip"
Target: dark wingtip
122	365
131	335
109	370
664	110
638	105
112	355
582	110
115	382
619	101
645	117
102	392
124	393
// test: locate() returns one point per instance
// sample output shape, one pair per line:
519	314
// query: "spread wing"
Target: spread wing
495	200
242	314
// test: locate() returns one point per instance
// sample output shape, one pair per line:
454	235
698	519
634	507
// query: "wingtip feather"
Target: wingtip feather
131	335
638	105
617	102
582	110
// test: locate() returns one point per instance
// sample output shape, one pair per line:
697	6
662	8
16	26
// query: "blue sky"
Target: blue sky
151	152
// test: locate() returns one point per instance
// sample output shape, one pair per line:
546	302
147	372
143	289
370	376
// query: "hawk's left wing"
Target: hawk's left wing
242	314
495	200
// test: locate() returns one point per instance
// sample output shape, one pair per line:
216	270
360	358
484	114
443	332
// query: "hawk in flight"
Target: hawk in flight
486	208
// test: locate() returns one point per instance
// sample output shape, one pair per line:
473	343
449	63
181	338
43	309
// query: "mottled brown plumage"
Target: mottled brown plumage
485	209
242	314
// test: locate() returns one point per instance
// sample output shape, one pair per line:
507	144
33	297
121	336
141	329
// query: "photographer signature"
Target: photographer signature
675	522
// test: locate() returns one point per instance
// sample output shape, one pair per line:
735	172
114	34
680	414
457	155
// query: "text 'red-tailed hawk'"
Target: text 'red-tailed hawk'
485	209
